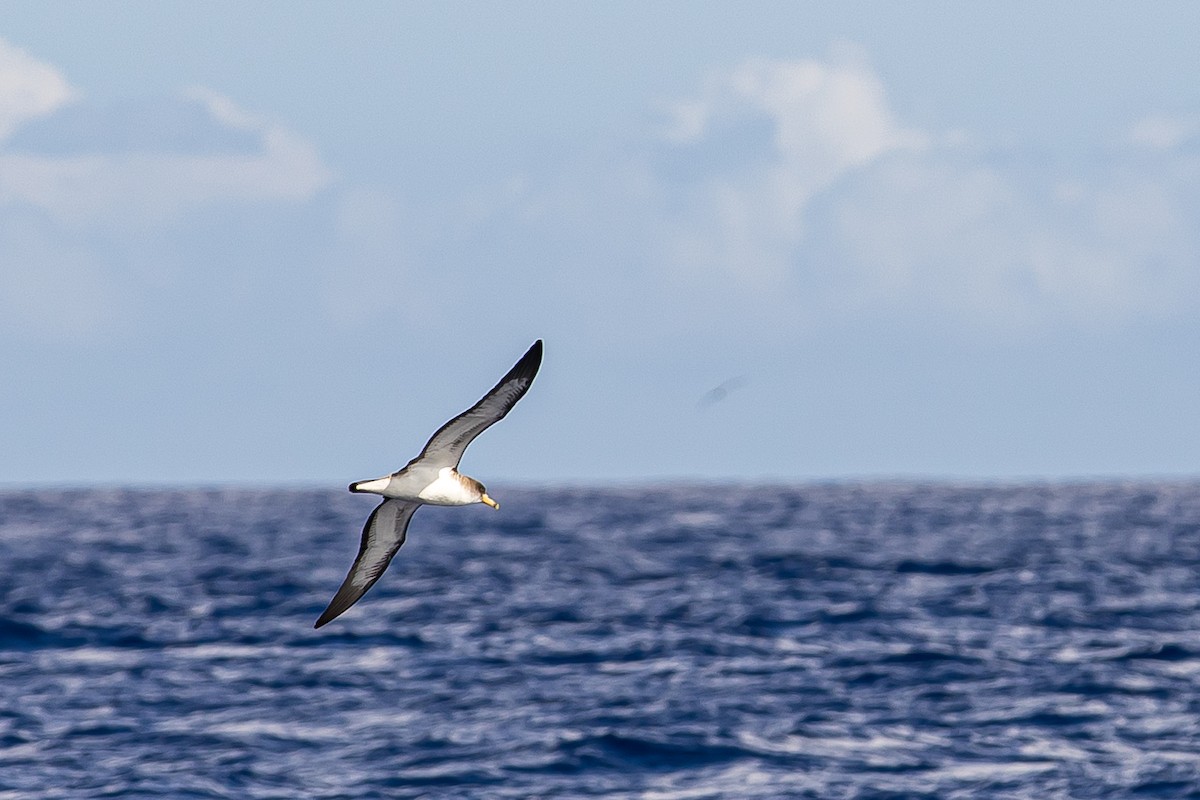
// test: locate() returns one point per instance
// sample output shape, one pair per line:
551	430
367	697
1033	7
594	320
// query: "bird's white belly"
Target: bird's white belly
447	490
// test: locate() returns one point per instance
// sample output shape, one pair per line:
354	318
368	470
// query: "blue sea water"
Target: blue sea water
817	641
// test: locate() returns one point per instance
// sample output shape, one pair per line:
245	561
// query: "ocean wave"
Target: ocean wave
891	640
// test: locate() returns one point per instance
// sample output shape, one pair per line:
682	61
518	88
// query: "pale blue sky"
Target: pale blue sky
273	242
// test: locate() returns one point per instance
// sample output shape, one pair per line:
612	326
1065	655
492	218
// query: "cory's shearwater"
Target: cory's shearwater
433	478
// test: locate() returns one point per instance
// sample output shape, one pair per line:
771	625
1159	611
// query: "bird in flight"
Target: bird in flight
433	478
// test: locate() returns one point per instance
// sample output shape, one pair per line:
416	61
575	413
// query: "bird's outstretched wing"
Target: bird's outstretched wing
445	448
381	538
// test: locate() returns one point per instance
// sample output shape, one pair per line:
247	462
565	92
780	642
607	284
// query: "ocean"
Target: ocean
870	640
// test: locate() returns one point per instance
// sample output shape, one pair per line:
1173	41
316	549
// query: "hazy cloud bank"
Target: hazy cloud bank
802	188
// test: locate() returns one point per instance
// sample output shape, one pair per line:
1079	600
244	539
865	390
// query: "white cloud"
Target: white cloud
846	210
826	120
915	233
1161	132
139	189
939	233
91	216
828	117
28	88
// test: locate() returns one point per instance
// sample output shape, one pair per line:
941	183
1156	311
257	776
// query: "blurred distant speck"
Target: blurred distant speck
719	393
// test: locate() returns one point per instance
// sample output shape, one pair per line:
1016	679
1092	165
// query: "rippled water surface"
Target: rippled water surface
859	641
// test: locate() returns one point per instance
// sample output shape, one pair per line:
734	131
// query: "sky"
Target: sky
280	243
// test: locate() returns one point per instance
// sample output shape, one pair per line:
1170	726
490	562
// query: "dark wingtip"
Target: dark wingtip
533	356
527	366
327	617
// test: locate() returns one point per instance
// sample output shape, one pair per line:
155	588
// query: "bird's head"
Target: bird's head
479	490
